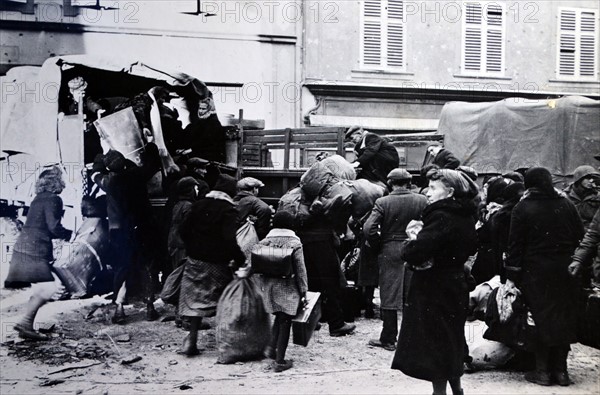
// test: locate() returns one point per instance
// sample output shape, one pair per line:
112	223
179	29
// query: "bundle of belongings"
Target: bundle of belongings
329	187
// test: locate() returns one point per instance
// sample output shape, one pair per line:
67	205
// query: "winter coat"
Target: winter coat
386	228
588	251
208	231
247	205
32	251
586	207
545	229
207	138
377	157
446	160
283	294
431	342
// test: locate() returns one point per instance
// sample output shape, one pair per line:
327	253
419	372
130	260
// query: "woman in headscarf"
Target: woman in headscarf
32	253
208	233
431	344
545	229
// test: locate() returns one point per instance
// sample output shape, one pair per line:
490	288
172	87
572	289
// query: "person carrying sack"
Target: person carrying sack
285	294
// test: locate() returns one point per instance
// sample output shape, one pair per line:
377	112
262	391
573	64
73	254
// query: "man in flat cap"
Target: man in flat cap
375	156
197	168
386	228
248	204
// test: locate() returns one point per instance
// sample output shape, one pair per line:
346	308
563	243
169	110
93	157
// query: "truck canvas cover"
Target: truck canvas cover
497	137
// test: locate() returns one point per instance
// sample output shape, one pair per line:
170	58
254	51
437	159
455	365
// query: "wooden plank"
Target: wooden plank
377	123
286	153
314	137
315	130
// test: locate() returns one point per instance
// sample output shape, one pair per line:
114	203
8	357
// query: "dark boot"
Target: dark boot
558	365
119	315
541	374
151	313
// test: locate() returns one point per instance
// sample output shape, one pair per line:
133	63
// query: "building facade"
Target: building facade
400	61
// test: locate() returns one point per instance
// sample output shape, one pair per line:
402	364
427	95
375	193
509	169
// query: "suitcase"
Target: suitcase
305	322
80	261
588	331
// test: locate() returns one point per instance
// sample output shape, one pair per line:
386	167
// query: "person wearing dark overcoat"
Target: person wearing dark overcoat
205	134
500	226
386	228
33	253
545	229
132	233
484	267
443	158
249	205
208	233
431	344
588	252
323	270
283	297
375	156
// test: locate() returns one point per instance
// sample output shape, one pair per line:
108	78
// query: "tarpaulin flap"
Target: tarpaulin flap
559	134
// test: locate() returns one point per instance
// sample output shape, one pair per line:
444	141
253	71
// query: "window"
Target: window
483	38
382	35
577	46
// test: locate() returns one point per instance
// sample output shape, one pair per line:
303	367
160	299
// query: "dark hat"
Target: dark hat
186	185
226	183
539	177
197	162
513	192
597	157
495	190
513	175
351	131
399	175
114	160
584	171
249	183
283	220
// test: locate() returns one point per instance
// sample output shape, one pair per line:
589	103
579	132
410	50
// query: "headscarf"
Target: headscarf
495	189
539	179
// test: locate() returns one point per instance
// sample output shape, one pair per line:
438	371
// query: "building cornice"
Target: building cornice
408	91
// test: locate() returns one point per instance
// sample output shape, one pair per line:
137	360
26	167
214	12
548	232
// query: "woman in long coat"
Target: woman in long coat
545	229
431	342
32	252
208	233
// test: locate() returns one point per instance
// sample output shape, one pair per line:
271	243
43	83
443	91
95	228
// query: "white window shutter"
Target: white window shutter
587	54
395	33
483	38
568	23
382	34
577	43
372	33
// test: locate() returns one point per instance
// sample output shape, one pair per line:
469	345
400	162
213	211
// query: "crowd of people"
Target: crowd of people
541	242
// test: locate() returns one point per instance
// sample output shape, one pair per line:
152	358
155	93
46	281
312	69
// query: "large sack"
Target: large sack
364	195
316	179
243	326
340	167
335	203
122	133
247	238
486	354
81	260
294	202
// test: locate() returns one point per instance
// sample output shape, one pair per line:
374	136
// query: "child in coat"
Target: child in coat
283	296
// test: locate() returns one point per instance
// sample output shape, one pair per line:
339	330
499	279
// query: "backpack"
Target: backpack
272	261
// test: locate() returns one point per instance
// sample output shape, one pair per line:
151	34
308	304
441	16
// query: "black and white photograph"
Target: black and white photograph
300	197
